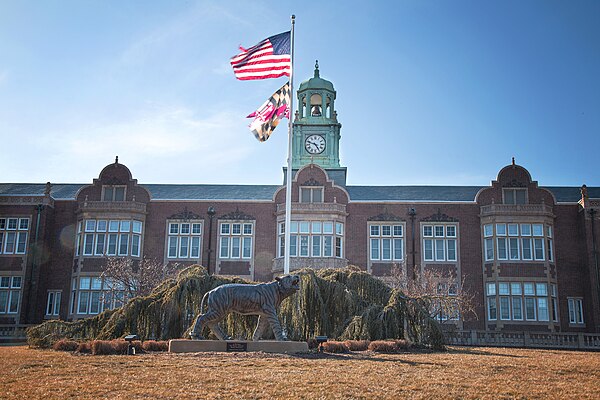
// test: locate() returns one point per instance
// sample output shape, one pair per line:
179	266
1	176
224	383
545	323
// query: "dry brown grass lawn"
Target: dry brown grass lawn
489	373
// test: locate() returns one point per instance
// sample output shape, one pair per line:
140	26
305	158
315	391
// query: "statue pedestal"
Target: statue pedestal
267	346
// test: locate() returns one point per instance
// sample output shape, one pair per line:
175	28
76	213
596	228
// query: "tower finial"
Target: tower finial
316	68
116	159
513	161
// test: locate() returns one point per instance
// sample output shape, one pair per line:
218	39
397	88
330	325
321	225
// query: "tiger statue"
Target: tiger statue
262	299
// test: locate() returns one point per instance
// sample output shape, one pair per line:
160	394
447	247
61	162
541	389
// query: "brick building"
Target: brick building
528	252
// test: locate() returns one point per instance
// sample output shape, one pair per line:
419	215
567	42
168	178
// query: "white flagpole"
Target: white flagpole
288	188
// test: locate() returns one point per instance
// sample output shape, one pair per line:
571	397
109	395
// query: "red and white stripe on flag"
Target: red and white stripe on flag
268	59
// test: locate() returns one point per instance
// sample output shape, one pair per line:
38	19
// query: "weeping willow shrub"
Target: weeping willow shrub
345	304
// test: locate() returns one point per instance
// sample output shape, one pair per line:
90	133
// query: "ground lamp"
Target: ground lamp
130	347
320	340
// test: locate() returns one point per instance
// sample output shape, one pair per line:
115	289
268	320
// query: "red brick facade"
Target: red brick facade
558	263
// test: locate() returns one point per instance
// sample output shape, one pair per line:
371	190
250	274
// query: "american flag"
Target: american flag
268	59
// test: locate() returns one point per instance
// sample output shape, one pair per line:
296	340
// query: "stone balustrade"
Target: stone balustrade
300	208
516	209
112	206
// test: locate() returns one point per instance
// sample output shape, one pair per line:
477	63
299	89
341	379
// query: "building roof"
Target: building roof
62	191
569	194
211	192
316	82
413	193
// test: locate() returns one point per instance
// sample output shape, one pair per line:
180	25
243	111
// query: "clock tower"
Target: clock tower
316	130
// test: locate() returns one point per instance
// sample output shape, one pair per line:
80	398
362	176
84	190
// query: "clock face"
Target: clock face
314	144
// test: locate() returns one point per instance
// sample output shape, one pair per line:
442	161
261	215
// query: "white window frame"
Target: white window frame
515	242
388	232
514	191
176	231
17	228
11	287
301	242
576	316
108	233
53	303
87	288
435	241
114	192
311	190
236	231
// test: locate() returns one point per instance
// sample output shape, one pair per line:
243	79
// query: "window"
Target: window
53	303
386	242
445	310
554	303
518	301
514	242
515	196
184	239
311	194
491	300
101	237
549	245
13	235
113	193
92	295
442	245
488	242
313	239
575	311
10	294
504	307
235	239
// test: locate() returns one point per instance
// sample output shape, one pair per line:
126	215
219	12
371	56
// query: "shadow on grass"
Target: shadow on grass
361	356
478	352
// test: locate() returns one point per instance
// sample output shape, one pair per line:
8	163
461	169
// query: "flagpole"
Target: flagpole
288	188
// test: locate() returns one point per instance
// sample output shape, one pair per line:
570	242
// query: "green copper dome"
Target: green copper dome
316	82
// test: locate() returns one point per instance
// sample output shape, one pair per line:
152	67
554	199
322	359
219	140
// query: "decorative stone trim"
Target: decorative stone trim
27	200
185	215
312	182
237	215
114	181
385	216
514	183
440	217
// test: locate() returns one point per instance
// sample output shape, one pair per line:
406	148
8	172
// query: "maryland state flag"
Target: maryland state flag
267	117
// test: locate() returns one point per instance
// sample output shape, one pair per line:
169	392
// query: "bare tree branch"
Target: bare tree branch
442	295
137	277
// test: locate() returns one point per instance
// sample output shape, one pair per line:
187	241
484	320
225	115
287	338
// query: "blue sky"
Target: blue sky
428	92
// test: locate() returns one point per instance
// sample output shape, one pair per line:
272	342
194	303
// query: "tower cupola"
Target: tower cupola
316	130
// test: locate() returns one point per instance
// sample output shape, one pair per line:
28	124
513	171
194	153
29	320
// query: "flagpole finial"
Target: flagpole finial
293	18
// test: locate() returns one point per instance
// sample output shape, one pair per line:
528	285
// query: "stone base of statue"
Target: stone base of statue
267	346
